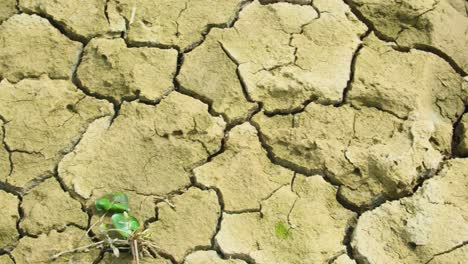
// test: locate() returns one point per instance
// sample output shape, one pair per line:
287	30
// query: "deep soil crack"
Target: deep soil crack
456	135
353	68
59	26
20	192
209	27
448	251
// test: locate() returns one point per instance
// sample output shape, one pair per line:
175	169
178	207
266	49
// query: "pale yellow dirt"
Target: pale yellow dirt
242	131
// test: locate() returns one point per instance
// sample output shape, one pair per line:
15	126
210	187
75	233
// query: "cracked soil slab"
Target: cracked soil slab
241	131
112	70
285	55
409	230
369	165
10	215
31	47
285	231
180	24
7	9
150	149
44	118
243	173
82	19
42	248
190	224
421	23
407	83
218	83
43	209
317	65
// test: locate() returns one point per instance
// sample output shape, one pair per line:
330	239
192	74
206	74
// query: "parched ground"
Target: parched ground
243	131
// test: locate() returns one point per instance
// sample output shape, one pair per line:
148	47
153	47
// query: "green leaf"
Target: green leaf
281	230
115	202
125	223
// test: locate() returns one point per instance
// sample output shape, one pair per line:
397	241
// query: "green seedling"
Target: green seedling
281	230
122	233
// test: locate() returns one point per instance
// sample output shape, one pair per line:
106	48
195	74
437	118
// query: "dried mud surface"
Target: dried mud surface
243	131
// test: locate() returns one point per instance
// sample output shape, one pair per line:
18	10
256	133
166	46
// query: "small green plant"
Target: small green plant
281	230
120	232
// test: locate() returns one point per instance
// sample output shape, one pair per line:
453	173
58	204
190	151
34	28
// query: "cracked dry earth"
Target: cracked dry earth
295	131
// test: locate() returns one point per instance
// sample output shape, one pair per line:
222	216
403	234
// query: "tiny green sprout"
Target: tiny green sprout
103	227
118	230
113	202
281	230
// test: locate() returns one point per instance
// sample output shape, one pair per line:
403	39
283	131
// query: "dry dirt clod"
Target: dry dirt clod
174	23
286	231
317	60
412	84
10	215
285	55
5	259
370	165
429	227
42	248
31	47
203	257
190	225
261	35
243	173
48	207
149	149
85	18
421	23
218	83
7	9
110	69
261	41
44	119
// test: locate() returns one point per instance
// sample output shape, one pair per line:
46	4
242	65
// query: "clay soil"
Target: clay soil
242	131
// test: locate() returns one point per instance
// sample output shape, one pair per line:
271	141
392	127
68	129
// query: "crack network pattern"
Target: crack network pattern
283	131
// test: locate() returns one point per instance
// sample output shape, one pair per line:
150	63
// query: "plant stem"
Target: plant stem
93	225
135	253
77	250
